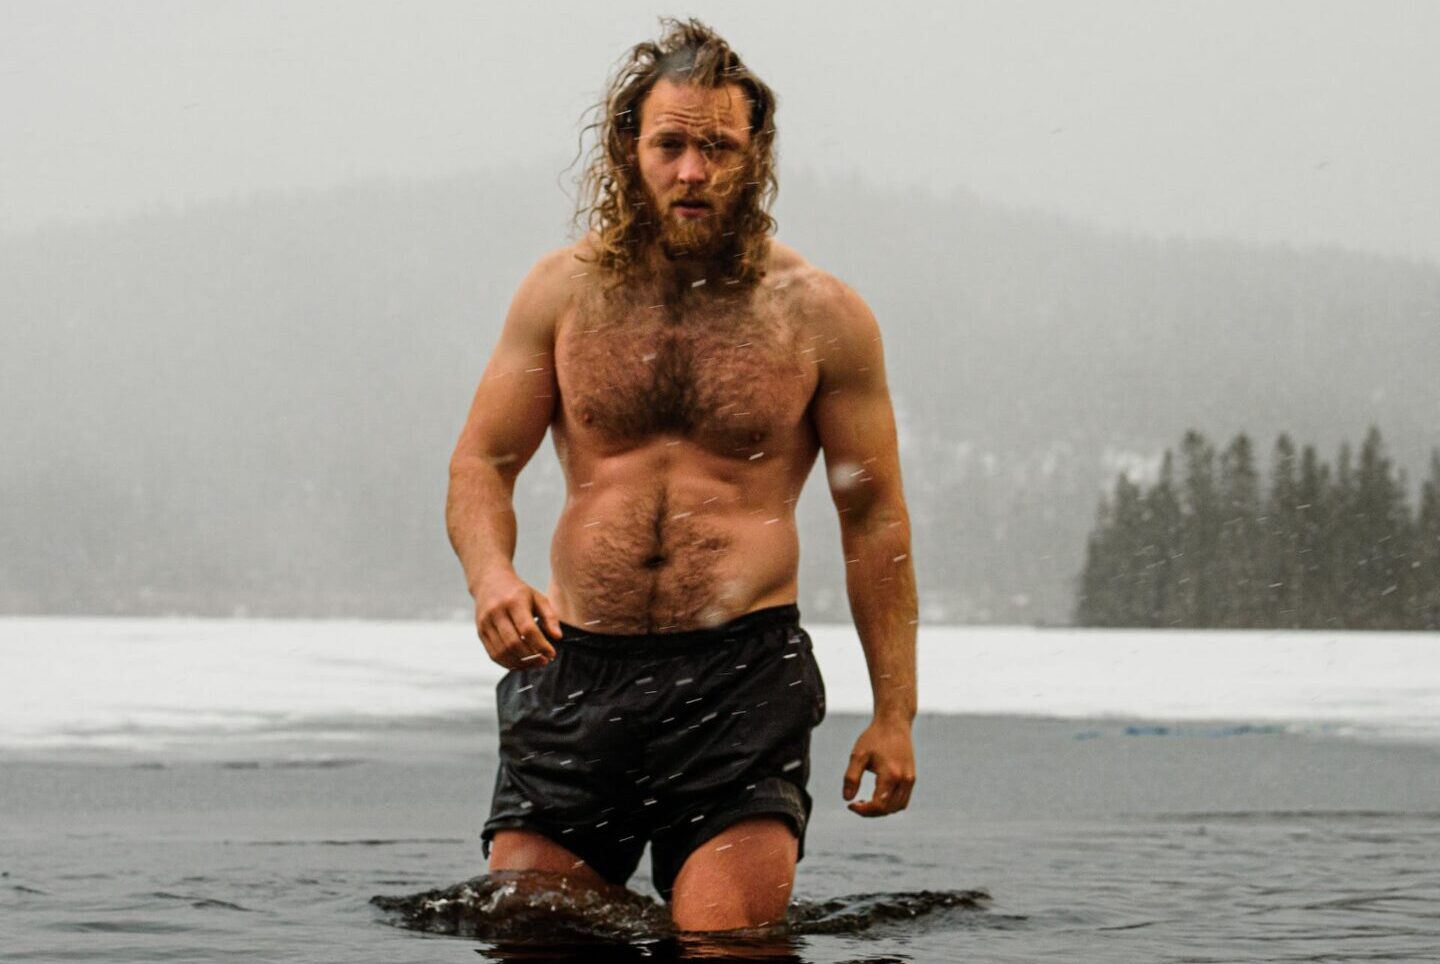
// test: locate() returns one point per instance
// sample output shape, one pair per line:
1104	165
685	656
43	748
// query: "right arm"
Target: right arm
509	416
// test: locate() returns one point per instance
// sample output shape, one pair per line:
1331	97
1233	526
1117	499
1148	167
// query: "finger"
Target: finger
906	787
513	641
486	634
879	803
867	808
887	790
512	646
494	642
892	793
858	764
548	615
534	649
528	619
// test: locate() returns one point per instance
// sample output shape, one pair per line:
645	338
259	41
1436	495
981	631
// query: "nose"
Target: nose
692	166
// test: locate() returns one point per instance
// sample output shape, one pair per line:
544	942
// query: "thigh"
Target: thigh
739	878
528	850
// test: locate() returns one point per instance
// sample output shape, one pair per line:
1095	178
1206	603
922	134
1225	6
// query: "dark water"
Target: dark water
1094	842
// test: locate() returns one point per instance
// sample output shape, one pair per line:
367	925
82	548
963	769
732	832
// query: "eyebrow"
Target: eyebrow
715	135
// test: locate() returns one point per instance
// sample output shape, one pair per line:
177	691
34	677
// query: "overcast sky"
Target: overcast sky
1306	122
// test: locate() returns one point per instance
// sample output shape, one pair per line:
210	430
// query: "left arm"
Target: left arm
856	426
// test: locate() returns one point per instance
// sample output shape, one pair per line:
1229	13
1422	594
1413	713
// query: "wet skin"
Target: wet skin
687	414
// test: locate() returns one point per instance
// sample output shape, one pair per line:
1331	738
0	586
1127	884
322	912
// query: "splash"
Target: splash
860	912
529	904
551	907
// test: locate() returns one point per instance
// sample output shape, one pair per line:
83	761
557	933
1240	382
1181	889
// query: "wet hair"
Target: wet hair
612	203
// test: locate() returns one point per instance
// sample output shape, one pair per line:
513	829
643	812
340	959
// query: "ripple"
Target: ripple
1242	816
199	902
359	842
121	927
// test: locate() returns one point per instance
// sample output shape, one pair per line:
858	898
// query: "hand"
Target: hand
886	751
508	617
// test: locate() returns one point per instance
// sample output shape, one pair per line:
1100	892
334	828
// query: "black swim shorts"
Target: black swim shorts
667	738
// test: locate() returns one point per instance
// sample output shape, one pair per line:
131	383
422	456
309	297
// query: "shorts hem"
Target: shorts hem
615	876
793	810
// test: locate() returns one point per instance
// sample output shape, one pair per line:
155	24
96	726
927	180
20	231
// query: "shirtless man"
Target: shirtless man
689	369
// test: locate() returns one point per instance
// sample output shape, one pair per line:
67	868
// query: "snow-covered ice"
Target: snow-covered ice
68	682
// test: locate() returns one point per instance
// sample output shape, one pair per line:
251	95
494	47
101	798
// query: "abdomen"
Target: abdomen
661	540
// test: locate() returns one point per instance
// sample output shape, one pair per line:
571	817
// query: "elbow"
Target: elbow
876	517
474	474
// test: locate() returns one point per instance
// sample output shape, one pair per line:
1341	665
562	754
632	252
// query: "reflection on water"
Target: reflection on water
772	950
532	916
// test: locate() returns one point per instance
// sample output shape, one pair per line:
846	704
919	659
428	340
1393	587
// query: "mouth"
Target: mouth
691	208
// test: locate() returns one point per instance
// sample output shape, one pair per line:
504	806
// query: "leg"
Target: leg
528	850
739	878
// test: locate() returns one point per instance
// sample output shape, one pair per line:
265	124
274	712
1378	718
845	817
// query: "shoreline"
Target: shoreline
164	683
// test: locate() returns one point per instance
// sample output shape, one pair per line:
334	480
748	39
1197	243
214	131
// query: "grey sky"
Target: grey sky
1276	121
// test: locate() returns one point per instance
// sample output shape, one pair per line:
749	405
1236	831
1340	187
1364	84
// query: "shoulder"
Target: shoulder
557	267
820	301
551	286
830	314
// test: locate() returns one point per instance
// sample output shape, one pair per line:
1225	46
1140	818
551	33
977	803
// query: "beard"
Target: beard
708	238
700	238
703	238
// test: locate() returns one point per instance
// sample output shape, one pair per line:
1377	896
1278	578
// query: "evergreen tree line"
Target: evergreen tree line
1318	547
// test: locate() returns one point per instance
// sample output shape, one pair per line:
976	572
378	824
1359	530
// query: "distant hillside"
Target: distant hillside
248	406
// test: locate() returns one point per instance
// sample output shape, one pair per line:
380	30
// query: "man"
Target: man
690	368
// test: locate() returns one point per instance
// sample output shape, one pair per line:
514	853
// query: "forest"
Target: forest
1209	543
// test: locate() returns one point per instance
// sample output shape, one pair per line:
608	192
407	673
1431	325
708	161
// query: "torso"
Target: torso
682	426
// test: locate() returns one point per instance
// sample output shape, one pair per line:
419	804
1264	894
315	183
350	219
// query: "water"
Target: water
133	830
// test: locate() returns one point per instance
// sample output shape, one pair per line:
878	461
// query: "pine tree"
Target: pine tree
1312	510
1130	579
1239	564
1343	537
1381	541
1426	565
1095	605
1163	505
1283	564
1200	532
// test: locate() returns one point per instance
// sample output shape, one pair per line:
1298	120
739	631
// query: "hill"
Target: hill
247	406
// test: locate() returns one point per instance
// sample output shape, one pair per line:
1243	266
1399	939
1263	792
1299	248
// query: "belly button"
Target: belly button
757	436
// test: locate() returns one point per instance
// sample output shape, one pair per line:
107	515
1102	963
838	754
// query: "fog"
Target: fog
1274	121
253	257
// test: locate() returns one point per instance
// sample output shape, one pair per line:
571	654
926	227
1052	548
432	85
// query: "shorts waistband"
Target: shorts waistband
659	644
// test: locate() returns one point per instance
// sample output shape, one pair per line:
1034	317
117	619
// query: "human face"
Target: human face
692	152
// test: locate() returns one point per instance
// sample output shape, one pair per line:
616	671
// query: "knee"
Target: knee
741	879
737	910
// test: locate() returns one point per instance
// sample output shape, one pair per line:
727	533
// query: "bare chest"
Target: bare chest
728	374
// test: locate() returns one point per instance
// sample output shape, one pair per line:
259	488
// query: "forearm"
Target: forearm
880	578
480	517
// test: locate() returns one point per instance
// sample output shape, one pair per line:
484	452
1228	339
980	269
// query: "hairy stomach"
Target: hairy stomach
671	553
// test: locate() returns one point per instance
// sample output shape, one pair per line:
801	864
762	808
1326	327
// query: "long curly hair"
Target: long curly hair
612	202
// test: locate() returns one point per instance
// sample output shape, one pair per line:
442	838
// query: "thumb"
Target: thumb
549	615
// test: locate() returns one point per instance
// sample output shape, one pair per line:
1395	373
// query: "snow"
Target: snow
137	682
